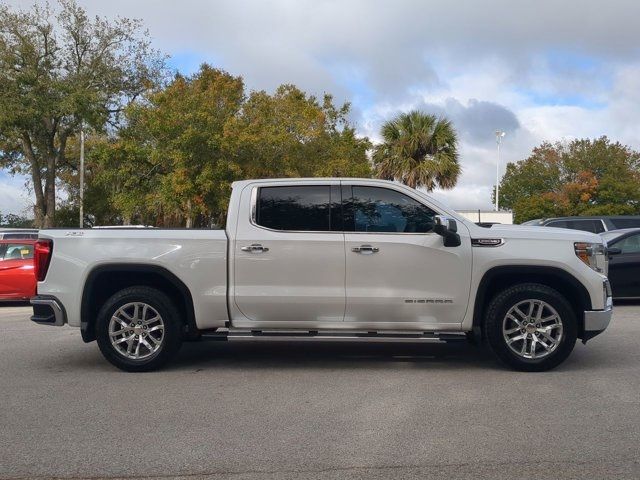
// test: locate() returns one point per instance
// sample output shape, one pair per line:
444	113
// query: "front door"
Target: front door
397	269
289	257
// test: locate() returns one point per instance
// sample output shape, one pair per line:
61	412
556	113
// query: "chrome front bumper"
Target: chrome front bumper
48	310
596	321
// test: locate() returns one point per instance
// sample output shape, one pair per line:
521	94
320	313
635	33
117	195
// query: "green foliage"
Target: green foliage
584	177
173	163
156	153
291	134
11	220
419	150
59	69
179	134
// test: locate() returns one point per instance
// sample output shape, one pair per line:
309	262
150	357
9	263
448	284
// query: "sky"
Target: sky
537	70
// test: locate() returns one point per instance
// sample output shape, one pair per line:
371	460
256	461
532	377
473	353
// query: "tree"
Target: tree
56	76
183	126
173	160
292	134
419	150
584	177
11	220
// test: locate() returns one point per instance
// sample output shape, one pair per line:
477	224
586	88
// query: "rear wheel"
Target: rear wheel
138	329
531	327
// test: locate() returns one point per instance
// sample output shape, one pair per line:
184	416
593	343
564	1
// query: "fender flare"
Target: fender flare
492	274
87	323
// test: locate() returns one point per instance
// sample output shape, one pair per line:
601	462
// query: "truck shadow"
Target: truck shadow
212	356
620	303
328	355
13	303
343	355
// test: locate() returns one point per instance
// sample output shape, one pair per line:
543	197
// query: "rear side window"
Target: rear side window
557	224
376	209
594	226
299	208
625	222
16	251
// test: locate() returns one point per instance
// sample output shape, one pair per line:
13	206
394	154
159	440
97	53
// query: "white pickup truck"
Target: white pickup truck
327	259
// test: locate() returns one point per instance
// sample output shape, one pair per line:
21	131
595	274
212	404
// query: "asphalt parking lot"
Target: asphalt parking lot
303	411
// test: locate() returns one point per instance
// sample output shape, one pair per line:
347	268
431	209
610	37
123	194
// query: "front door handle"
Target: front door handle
255	248
365	249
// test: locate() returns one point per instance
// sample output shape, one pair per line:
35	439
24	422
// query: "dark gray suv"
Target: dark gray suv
589	224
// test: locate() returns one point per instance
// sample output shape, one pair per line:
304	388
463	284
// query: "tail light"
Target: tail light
42	257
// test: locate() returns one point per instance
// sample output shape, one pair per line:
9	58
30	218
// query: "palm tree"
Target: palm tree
418	149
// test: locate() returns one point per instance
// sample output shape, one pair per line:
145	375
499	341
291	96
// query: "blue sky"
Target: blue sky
541	71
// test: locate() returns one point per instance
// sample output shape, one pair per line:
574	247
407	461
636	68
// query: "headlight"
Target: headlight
593	254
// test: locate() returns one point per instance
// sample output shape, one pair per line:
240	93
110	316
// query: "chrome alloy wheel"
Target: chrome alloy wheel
136	331
532	329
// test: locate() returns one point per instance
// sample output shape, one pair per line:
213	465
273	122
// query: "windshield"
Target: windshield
611	236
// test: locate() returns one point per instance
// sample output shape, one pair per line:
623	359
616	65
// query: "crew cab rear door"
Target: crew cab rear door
288	255
398	270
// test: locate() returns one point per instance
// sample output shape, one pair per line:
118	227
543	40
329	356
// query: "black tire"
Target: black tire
512	296
170	317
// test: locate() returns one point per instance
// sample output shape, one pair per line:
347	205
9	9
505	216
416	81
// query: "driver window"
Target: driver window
381	210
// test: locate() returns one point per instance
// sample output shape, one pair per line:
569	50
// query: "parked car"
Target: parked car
326	260
624	262
17	274
15	233
589	224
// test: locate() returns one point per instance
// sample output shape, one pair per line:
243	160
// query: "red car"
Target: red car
17	274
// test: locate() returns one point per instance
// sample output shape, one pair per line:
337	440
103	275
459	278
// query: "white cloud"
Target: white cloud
543	70
14	198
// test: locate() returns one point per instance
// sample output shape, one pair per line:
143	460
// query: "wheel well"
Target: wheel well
104	281
499	278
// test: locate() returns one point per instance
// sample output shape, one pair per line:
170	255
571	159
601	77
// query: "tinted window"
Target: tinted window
594	226
630	244
17	251
374	209
303	208
557	224
625	222
11	236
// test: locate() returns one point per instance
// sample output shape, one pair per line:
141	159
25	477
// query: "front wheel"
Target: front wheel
531	327
138	329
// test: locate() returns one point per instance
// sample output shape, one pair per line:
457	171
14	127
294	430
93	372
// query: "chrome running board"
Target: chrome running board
332	336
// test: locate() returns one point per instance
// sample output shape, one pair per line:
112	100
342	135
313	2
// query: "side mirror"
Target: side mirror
447	228
613	251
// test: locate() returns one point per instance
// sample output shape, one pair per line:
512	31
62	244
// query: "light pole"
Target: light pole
81	175
499	135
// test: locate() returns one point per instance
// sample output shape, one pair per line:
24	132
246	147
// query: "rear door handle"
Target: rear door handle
255	248
365	249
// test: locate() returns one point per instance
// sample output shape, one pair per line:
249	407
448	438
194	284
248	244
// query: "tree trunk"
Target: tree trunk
189	223
40	207
50	192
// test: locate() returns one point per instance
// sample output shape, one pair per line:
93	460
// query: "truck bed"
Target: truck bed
198	258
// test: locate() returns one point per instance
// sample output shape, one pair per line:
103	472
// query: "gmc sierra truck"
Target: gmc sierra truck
326	259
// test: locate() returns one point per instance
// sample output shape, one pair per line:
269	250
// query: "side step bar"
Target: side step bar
234	335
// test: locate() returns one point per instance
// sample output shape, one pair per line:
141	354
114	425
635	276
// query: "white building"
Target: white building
488	216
